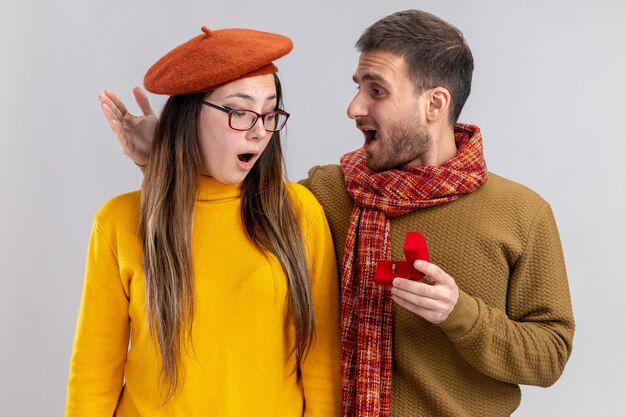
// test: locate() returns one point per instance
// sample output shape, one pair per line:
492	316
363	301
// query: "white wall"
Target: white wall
548	94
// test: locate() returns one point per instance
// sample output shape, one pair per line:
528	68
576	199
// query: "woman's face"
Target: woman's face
227	154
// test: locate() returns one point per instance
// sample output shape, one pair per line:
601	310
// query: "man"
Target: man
493	310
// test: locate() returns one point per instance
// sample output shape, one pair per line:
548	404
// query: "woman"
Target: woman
213	291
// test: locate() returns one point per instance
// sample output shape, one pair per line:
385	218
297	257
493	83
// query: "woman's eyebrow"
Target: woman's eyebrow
249	97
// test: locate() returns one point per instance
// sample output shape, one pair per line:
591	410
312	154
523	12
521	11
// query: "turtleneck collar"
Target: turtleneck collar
209	189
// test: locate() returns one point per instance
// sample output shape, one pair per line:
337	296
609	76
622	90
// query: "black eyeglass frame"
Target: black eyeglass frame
258	115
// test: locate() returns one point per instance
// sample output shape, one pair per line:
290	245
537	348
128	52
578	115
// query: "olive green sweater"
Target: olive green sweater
513	323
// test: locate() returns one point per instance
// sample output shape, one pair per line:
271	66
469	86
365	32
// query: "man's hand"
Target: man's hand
134	133
432	298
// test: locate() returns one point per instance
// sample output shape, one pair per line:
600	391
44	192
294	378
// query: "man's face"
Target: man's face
386	110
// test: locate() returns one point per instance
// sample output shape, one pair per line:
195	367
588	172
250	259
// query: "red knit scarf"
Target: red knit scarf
366	340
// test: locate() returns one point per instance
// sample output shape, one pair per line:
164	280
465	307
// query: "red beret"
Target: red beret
215	58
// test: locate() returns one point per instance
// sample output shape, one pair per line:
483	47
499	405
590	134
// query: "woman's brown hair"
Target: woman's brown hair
168	199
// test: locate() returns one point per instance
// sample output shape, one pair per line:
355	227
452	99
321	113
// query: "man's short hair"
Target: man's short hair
434	51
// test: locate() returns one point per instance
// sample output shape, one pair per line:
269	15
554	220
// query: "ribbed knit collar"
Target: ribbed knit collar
209	189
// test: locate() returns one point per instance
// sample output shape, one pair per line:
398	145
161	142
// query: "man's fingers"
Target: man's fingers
433	303
433	272
142	101
416	296
410	306
430	313
115	124
420	289
116	101
110	111
433	298
116	127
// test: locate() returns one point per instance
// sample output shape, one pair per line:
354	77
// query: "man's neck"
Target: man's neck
443	148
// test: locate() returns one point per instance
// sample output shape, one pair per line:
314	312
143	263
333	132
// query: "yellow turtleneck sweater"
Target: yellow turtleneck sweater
237	364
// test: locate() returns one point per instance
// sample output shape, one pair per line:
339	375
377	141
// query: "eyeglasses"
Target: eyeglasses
246	119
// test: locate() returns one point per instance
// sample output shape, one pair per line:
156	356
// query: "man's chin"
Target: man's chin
380	166
375	165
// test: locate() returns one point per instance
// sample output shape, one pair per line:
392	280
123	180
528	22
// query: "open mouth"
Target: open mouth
370	135
245	157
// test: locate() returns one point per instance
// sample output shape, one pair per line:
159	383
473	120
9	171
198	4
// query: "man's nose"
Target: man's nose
357	107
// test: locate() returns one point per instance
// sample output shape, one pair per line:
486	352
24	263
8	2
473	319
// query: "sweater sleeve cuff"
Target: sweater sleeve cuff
462	318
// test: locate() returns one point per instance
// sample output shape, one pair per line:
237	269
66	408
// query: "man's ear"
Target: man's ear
438	104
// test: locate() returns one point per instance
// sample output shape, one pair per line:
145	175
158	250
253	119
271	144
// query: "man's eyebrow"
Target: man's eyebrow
370	77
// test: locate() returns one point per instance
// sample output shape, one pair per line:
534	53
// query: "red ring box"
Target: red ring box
414	248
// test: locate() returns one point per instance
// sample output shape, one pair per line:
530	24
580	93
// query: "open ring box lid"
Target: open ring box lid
414	248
